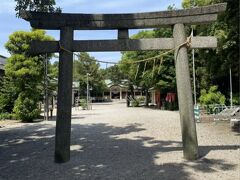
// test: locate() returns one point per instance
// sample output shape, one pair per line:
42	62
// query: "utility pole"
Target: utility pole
194	75
78	92
194	79
193	4
46	103
87	92
230	73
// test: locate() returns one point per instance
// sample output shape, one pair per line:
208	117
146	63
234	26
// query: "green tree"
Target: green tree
8	95
115	74
133	70
36	5
191	3
52	78
25	106
212	96
212	65
83	65
53	70
159	74
24	75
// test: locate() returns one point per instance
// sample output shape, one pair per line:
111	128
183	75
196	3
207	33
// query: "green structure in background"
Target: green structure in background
197	113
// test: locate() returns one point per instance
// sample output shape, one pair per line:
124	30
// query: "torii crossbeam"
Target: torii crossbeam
67	23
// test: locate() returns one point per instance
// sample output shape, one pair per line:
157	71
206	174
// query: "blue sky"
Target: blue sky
9	23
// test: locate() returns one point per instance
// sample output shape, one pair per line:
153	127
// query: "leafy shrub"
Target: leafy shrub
212	96
141	98
5	116
172	106
83	103
26	107
8	94
236	100
138	101
135	103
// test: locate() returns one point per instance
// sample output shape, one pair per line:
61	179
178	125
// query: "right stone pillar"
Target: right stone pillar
185	101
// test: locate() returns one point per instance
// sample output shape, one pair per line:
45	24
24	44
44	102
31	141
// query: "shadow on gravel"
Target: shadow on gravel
204	150
73	118
236	130
98	152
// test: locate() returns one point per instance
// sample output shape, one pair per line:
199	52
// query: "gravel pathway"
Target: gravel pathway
112	142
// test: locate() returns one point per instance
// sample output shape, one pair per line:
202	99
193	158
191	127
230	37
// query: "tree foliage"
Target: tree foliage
25	106
191	3
8	95
24	70
212	96
83	65
53	70
36	5
153	73
114	73
22	84
212	65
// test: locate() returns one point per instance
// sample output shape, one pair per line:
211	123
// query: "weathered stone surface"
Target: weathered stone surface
203	42
64	101
121	45
123	34
185	100
39	47
198	15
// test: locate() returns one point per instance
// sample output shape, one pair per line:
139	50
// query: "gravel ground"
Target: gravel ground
112	142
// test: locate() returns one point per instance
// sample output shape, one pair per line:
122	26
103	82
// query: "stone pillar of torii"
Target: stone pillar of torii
67	23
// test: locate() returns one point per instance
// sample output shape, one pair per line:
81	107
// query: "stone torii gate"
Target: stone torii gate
67	23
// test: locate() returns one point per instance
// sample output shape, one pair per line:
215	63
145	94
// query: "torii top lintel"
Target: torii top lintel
199	15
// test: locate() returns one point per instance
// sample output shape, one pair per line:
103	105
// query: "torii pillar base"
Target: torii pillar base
185	100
